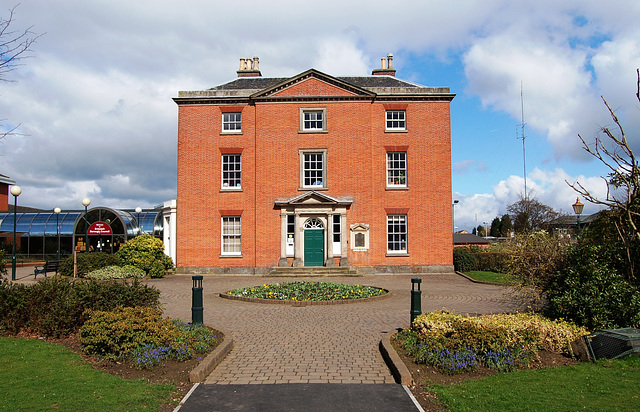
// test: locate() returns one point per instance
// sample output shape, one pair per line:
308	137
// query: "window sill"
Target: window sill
230	256
314	188
402	254
396	188
231	189
230	132
396	131
312	131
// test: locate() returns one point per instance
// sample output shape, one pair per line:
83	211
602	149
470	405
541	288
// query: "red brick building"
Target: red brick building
314	170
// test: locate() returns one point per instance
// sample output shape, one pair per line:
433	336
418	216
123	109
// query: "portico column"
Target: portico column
283	239
329	241
297	236
344	237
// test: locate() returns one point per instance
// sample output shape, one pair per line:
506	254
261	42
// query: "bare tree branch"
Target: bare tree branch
623	183
15	45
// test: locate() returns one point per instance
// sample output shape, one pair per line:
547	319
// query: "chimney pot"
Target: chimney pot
387	67
249	68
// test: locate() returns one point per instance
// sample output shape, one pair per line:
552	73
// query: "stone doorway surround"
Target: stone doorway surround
317	205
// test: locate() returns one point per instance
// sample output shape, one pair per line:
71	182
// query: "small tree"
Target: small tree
533	260
147	253
530	215
480	231
623	185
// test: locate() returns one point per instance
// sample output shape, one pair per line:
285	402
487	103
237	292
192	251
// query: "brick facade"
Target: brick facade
354	147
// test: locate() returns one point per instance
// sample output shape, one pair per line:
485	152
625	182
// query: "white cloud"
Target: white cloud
95	101
548	187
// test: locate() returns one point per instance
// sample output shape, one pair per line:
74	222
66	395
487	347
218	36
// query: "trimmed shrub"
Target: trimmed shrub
492	261
147	253
116	272
463	259
3	263
142	334
590	292
455	343
88	262
56	306
115	334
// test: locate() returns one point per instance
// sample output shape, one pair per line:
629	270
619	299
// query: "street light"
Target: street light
453	220
577	208
86	202
138	211
57	211
15	191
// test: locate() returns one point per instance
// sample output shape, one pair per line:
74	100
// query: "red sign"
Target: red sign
100	228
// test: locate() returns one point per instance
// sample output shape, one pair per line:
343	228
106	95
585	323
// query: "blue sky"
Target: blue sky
96	118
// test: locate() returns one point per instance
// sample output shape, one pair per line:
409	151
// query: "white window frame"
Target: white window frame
396	169
291	229
396	120
397	235
337	234
232	122
225	175
309	120
304	170
230	236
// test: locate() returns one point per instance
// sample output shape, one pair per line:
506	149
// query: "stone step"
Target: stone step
313	271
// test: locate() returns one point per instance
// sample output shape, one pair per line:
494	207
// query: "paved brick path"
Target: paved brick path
317	344
314	344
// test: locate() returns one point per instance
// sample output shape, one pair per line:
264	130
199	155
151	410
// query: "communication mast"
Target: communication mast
521	135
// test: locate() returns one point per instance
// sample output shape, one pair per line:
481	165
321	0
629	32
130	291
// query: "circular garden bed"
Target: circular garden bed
305	293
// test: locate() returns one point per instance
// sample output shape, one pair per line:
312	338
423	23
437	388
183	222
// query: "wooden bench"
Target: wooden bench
49	266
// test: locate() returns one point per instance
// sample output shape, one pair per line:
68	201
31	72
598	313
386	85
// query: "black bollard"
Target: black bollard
416	299
196	300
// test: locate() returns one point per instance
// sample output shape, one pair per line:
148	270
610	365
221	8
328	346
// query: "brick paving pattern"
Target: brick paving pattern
314	344
317	344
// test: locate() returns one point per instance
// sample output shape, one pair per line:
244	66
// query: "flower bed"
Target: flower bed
307	292
505	342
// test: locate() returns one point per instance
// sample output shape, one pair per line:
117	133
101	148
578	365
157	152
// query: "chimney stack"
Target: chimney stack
387	67
249	68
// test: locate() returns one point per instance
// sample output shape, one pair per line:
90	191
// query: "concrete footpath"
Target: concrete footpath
318	355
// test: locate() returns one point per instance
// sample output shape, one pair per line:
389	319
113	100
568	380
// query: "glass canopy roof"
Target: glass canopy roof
44	223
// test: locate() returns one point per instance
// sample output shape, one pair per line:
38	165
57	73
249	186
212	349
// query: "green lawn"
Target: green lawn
602	386
486	276
35	375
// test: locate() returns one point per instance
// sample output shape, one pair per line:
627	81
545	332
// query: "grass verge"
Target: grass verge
609	385
486	276
36	375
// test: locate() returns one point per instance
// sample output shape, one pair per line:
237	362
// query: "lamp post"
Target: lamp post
57	211
15	191
453	220
577	208
86	202
138	211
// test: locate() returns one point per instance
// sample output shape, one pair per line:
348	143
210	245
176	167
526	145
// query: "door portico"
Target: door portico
313	212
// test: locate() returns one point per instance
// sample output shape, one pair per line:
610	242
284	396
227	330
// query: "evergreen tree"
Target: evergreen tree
506	226
495	228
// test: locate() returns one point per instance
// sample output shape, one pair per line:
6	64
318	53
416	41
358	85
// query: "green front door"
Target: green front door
314	247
